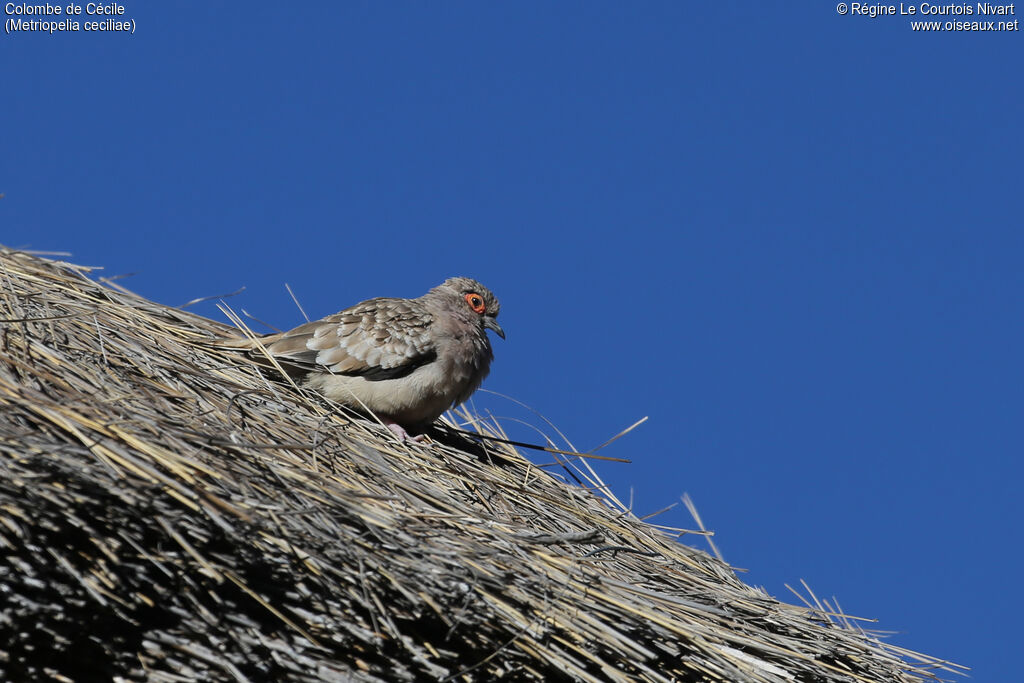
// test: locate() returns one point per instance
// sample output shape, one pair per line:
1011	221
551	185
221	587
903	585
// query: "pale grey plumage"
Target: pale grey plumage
405	360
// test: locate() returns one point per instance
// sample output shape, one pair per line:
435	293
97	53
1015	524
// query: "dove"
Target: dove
404	360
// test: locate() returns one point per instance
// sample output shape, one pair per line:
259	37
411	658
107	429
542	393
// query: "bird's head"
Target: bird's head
469	295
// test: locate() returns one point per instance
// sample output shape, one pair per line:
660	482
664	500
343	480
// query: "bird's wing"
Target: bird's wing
377	339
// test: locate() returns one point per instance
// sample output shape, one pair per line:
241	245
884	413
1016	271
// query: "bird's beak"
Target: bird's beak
492	324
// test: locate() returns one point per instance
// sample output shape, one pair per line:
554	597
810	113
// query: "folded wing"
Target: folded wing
377	339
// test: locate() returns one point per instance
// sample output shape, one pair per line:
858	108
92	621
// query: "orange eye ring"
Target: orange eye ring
476	302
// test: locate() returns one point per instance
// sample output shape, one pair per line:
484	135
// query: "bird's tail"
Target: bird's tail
256	348
238	343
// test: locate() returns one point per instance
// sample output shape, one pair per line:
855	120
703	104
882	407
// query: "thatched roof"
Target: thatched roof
172	511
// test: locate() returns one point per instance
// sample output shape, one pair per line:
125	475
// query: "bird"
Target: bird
406	361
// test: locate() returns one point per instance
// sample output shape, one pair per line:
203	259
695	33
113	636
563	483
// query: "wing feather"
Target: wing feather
377	339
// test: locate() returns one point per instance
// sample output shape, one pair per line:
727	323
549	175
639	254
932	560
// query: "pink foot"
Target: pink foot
403	436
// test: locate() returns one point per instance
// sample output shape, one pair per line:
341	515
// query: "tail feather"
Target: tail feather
258	349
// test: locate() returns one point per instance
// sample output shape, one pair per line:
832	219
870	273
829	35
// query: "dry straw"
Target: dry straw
170	511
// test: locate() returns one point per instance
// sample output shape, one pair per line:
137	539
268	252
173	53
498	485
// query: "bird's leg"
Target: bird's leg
403	436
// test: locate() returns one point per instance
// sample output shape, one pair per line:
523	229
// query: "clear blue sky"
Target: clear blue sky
792	238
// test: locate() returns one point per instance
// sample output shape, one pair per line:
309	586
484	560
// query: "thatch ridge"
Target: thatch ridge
170	511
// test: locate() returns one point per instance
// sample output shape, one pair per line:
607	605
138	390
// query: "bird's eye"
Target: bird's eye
476	302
